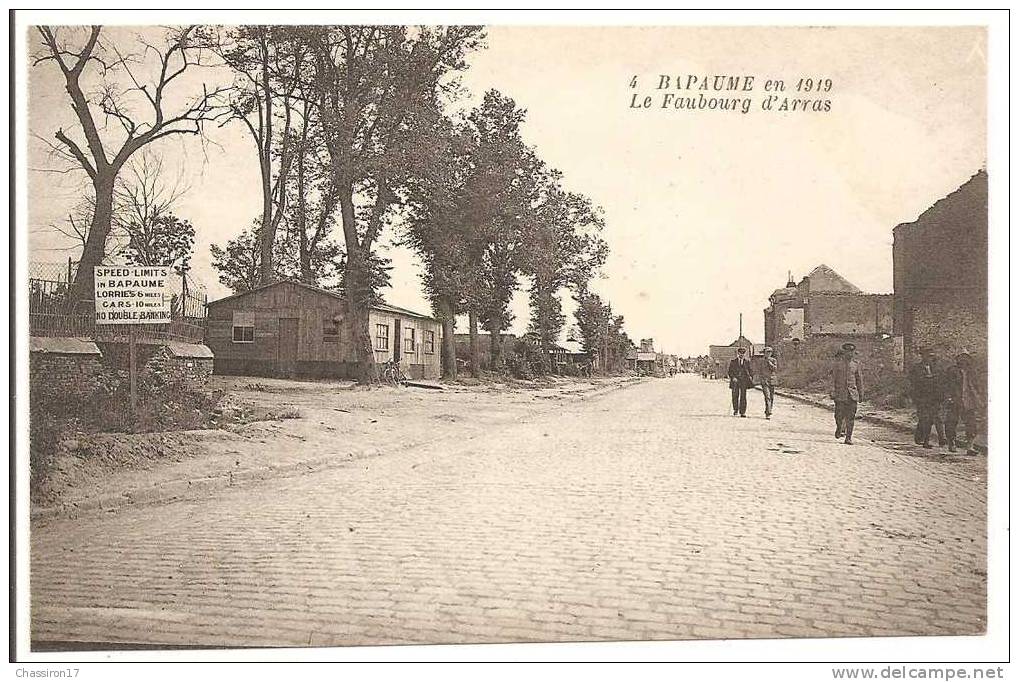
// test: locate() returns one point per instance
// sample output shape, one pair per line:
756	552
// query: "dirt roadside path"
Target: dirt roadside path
332	424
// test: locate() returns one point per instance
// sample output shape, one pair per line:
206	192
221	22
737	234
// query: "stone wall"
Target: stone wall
950	327
63	374
116	354
64	366
166	367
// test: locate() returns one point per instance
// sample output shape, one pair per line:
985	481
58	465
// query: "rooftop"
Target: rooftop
384	307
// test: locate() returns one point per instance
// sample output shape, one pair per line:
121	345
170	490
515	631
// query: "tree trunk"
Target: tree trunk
360	339
303	248
266	232
496	337
543	361
82	291
449	370
355	288
472	328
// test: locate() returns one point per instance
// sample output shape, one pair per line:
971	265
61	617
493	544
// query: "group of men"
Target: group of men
942	397
741	377
945	396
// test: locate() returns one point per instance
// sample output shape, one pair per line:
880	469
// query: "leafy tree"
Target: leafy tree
438	229
165	240
564	250
371	81
499	197
238	262
601	331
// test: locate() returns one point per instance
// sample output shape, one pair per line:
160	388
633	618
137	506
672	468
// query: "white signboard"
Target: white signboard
132	294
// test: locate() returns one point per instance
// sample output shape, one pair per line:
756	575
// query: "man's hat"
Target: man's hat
741	350
963	354
849	346
769	348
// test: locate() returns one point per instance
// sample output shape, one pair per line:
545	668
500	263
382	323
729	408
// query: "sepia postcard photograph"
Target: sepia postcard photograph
338	330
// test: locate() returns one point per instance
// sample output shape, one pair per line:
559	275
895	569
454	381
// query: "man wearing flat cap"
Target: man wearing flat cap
741	377
769	368
847	391
963	402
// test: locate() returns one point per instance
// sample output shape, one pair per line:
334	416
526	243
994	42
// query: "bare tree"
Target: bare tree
143	222
314	200
138	105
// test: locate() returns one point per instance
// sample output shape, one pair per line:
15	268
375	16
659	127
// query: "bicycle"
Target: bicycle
391	373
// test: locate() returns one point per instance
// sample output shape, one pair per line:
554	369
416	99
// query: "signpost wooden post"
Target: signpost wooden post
132	295
132	371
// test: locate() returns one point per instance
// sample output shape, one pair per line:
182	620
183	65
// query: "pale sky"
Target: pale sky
706	211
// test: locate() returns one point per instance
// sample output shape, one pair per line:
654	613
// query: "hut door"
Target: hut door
287	353
397	340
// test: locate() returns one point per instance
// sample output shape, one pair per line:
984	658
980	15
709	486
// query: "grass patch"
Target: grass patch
286	413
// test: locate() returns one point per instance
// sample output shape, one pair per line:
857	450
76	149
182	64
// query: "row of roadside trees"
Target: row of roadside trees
354	139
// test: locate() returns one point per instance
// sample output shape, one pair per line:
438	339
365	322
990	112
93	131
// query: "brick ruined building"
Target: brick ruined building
940	273
825	304
807	322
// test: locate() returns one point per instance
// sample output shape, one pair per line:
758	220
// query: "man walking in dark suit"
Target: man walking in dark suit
847	391
926	389
741	377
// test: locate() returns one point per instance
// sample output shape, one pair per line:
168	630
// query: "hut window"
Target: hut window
408	340
244	326
382	337
428	339
330	331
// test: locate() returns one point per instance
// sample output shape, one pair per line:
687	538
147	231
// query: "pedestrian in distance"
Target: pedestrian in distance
847	391
741	377
963	402
927	391
769	370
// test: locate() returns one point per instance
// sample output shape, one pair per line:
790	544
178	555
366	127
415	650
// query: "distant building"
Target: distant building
824	303
645	359
293	329
569	353
940	273
807	322
720	355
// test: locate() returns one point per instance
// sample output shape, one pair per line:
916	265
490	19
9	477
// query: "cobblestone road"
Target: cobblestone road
647	513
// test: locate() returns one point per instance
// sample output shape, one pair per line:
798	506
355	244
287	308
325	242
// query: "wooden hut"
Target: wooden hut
292	329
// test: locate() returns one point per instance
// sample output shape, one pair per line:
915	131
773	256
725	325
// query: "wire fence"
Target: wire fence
50	315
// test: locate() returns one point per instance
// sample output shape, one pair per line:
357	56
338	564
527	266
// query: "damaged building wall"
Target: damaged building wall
807	323
940	273
825	304
849	314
